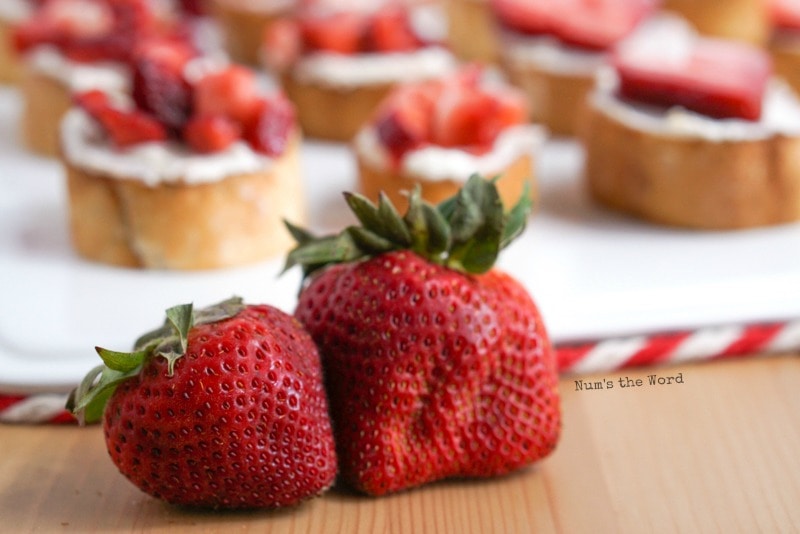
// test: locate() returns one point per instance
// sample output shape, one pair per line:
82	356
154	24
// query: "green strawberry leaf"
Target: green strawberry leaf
87	401
465	232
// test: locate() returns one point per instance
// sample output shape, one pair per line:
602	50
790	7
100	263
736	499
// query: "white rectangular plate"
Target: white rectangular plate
593	273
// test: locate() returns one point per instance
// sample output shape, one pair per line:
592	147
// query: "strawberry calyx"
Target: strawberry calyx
169	341
465	232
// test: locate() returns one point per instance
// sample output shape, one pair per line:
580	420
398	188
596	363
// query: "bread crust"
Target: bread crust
471	32
745	20
243	29
10	67
332	113
46	101
556	99
396	184
690	181
786	59
234	221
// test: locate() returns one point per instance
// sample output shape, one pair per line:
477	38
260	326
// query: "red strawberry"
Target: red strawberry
340	32
222	408
436	364
231	92
272	125
92	101
592	24
128	128
457	111
390	30
785	14
159	86
210	133
282	44
403	122
714	77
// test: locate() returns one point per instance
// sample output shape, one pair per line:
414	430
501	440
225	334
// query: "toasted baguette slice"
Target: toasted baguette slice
10	67
786	57
243	28
46	101
332	112
176	226
557	98
470	30
745	20
691	180
396	184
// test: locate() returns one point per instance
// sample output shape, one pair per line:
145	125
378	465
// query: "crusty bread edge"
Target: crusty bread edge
689	181
234	221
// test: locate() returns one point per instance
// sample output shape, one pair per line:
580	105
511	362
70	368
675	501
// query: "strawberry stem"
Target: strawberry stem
465	232
170	341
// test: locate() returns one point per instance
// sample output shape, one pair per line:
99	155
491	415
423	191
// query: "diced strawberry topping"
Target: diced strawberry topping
714	77
93	102
785	14
231	92
390	31
282	44
591	24
87	30
210	133
532	17
271	126
405	123
454	112
159	86
338	32
128	128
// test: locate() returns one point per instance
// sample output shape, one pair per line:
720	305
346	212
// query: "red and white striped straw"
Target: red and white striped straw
670	348
606	355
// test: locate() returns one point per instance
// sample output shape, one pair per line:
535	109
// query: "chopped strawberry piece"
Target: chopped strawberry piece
127	128
271	126
232	92
532	17
211	133
404	122
714	77
282	44
599	24
390	30
93	102
785	14
158	83
338	32
592	24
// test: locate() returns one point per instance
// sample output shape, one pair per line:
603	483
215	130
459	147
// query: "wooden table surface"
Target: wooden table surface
719	452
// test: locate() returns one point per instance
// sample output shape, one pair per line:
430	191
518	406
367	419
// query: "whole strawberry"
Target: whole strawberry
221	408
436	365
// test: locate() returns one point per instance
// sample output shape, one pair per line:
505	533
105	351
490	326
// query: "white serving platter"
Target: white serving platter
594	274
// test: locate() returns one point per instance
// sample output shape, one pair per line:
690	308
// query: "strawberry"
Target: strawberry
128	128
714	77
282	44
339	32
590	24
456	111
390	30
436	364
222	408
92	101
403	122
210	133
271	126
231	92
784	14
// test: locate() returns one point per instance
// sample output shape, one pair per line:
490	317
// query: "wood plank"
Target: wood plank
717	452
